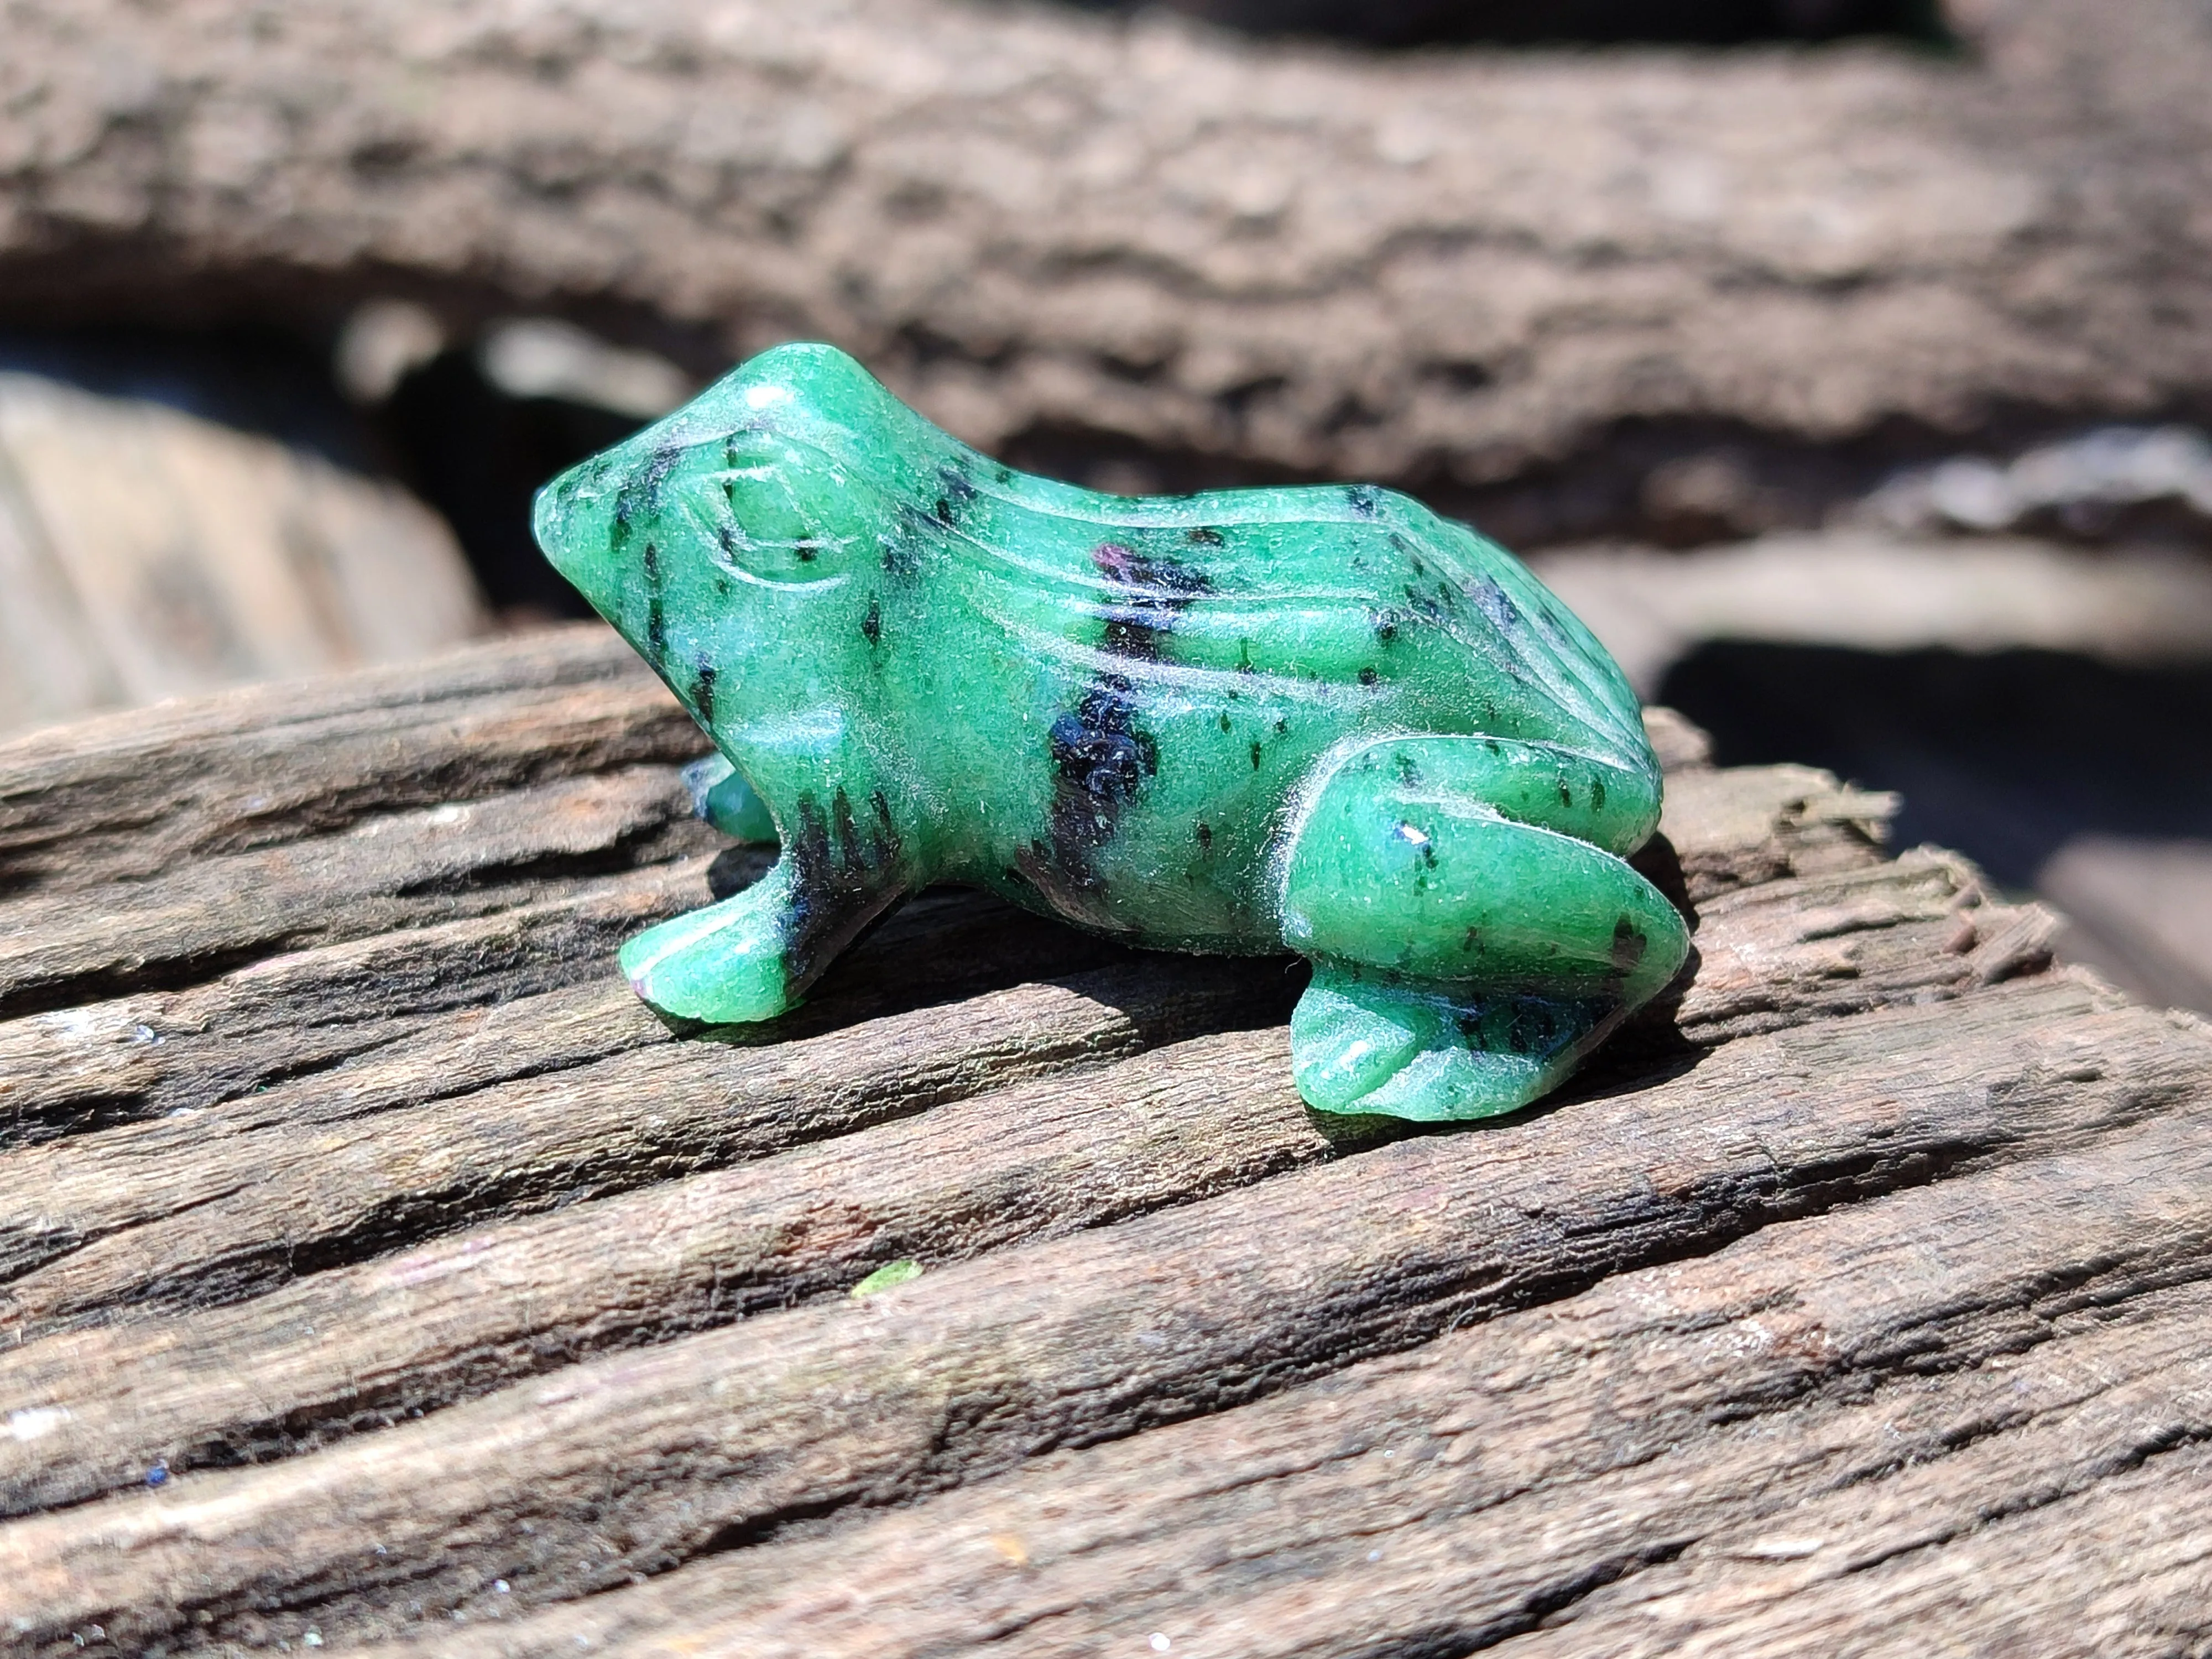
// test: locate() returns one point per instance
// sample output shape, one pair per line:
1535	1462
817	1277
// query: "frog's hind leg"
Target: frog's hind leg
1364	1043
1464	962
753	956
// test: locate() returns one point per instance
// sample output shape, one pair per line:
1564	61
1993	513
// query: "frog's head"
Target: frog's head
697	537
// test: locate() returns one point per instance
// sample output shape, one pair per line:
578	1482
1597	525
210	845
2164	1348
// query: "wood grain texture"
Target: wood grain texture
130	795
446	1297
1754	1421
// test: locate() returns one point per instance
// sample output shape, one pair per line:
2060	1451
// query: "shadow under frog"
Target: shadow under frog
1321	718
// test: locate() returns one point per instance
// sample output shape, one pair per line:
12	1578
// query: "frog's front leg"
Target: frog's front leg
721	795
753	956
1468	952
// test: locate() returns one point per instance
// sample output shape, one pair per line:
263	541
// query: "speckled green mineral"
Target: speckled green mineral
1319	719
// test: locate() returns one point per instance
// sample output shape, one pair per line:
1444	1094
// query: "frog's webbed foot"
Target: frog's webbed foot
1464	962
1362	1044
752	956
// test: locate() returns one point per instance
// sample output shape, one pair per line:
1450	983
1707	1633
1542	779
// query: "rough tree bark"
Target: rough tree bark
1069	238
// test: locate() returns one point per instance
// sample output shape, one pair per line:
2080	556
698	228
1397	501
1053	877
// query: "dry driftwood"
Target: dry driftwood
1859	1290
1066	237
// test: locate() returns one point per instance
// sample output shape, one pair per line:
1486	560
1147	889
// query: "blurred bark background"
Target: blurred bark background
145	553
1532	286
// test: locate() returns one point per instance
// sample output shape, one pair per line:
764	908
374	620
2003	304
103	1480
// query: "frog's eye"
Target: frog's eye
778	512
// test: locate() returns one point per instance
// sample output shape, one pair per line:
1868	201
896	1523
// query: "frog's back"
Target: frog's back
1348	587
1417	621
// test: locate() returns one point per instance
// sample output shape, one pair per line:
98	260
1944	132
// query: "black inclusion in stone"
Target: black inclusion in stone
640	494
702	693
1097	749
656	609
1423	606
1100	762
1628	946
871	625
843	877
1360	498
1100	758
958	494
657	471
640	490
1149	591
903	547
1531	1029
1491	599
847	833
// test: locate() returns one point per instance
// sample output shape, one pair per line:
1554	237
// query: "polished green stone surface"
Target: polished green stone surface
1319	719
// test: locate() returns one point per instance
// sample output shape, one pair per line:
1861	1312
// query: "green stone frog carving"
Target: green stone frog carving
1320	719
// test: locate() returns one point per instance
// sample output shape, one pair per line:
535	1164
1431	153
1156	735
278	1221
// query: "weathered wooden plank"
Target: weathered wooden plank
367	1345
463	997
236	1200
1917	927
1810	1407
403	870
326	771
2123	1569
302	1169
2050	1501
1738	825
634	1461
157	1052
715	1247
148	1052
131	794
146	1213
252	1029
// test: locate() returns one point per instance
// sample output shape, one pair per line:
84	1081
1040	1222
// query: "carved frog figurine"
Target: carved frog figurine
1320	719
